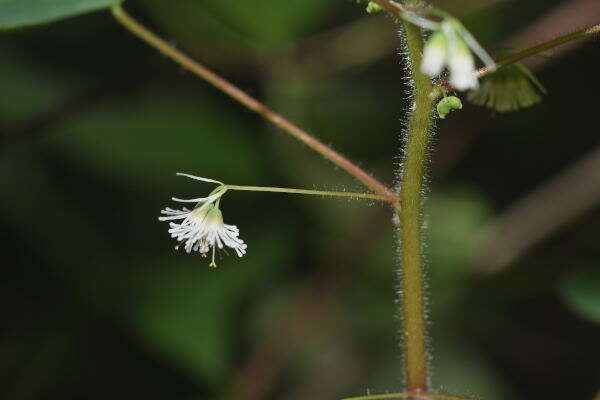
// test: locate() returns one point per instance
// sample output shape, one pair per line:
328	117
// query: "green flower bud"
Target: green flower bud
448	104
373	8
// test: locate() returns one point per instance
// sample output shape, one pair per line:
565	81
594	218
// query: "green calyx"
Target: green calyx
437	40
215	216
447	104
219	189
509	89
201	211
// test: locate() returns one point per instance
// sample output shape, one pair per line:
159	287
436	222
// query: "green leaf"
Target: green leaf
581	291
19	13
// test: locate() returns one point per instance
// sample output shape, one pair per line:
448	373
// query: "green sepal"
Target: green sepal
511	88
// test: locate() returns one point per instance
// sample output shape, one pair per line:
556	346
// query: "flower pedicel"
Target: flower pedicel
202	228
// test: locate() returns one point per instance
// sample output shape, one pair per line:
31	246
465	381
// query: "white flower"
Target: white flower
451	45
202	228
462	67
434	55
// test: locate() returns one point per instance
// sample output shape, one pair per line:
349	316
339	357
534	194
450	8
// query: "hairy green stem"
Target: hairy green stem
371	196
414	332
410	218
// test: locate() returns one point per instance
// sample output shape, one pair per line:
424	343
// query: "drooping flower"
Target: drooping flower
202	229
451	46
434	54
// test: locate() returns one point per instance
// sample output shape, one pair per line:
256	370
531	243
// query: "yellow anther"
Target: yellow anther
213	265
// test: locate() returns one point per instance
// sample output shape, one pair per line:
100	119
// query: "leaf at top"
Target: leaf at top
19	13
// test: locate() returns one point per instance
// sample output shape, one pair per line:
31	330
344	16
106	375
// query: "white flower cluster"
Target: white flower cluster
202	228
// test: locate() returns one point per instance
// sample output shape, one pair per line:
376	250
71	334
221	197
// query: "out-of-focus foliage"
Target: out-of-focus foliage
140	124
19	13
229	24
96	304
582	292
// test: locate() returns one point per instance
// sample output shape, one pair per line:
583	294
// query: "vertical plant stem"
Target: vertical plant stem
410	216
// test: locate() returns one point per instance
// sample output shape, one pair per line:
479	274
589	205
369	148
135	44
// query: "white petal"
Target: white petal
464	81
199	178
208	199
433	62
462	71
172	217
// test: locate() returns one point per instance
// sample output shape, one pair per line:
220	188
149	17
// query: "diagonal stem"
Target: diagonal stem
518	56
153	40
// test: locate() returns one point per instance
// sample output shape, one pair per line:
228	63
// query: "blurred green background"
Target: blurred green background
96	304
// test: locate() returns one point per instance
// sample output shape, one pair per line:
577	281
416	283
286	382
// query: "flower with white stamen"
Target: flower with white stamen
202	228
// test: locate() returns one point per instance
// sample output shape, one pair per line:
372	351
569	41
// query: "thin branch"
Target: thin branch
201	71
355	195
561	19
540	48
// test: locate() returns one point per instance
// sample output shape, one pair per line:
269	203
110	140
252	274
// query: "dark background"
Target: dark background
94	124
